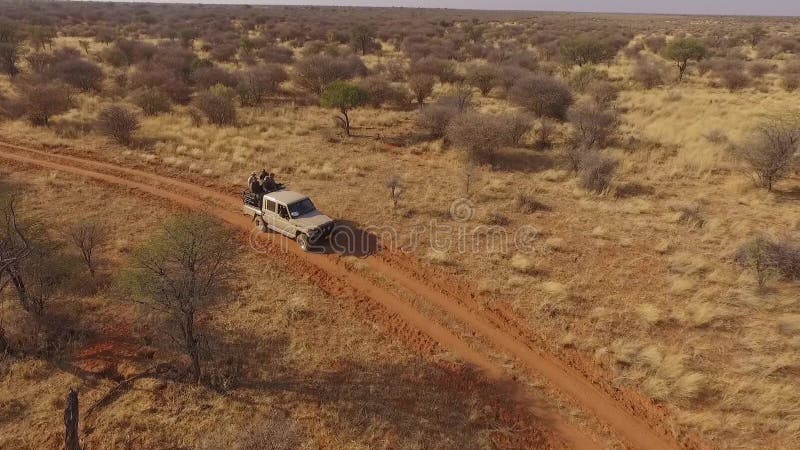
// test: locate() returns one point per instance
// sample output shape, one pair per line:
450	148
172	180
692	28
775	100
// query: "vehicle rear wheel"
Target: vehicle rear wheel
302	241
260	224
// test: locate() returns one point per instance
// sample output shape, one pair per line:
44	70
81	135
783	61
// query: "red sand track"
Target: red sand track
401	317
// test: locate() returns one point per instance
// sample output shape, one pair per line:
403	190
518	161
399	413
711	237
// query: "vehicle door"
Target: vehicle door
270	214
283	222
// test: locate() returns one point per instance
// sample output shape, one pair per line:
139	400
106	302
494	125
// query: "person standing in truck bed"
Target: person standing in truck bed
255	186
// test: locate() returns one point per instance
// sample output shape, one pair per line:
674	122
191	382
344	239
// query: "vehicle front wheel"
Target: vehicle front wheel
302	241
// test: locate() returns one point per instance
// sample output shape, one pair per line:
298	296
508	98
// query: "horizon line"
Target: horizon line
531	11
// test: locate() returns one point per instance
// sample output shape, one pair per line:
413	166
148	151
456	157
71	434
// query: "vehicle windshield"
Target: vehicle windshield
301	208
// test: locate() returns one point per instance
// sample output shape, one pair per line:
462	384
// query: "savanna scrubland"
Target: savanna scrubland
655	156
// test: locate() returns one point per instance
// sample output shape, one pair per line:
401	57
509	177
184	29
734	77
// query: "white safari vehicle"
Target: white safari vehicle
289	213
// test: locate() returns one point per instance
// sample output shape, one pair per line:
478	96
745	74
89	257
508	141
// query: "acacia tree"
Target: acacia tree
682	51
584	50
344	97
772	151
180	271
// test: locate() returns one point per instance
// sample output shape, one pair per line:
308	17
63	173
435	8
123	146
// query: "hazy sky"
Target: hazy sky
747	7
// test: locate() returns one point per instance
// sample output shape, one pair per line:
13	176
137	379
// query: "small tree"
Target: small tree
314	73
15	247
655	43
460	97
444	70
41	36
544	133
421	86
758	255
344	97
218	105
596	172
362	38
259	82
9	47
543	95
772	152
382	92
43	274
480	135
733	78
584	50
207	76
152	100
434	119
682	51
647	73
482	77
87	238
43	100
77	72
592	125
179	272
395	186
755	34
117	123
517	125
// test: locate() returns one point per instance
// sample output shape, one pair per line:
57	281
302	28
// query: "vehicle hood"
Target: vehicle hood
312	220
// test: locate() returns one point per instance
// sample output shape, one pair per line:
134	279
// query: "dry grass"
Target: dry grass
643	282
303	365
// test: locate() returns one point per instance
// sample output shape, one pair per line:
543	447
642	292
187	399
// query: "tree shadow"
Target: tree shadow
412	403
789	195
522	160
416	404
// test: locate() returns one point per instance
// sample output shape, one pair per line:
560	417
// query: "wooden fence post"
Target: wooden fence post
71	440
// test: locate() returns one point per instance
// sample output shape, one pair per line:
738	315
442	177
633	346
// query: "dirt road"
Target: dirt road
421	308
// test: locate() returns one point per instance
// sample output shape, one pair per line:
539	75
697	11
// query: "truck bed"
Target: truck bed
250	202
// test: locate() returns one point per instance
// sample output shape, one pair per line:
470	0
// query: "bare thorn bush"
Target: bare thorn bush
647	73
771	153
480	135
117	123
593	126
543	95
596	172
218	105
88	237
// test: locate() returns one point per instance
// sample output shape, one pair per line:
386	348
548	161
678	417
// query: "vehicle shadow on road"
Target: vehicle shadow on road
347	239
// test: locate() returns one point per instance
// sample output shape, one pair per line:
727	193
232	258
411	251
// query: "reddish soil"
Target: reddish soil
629	418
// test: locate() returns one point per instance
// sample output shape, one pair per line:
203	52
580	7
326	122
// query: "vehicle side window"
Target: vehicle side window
283	211
271	206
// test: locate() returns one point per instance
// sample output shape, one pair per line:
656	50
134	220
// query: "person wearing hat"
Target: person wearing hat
255	186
